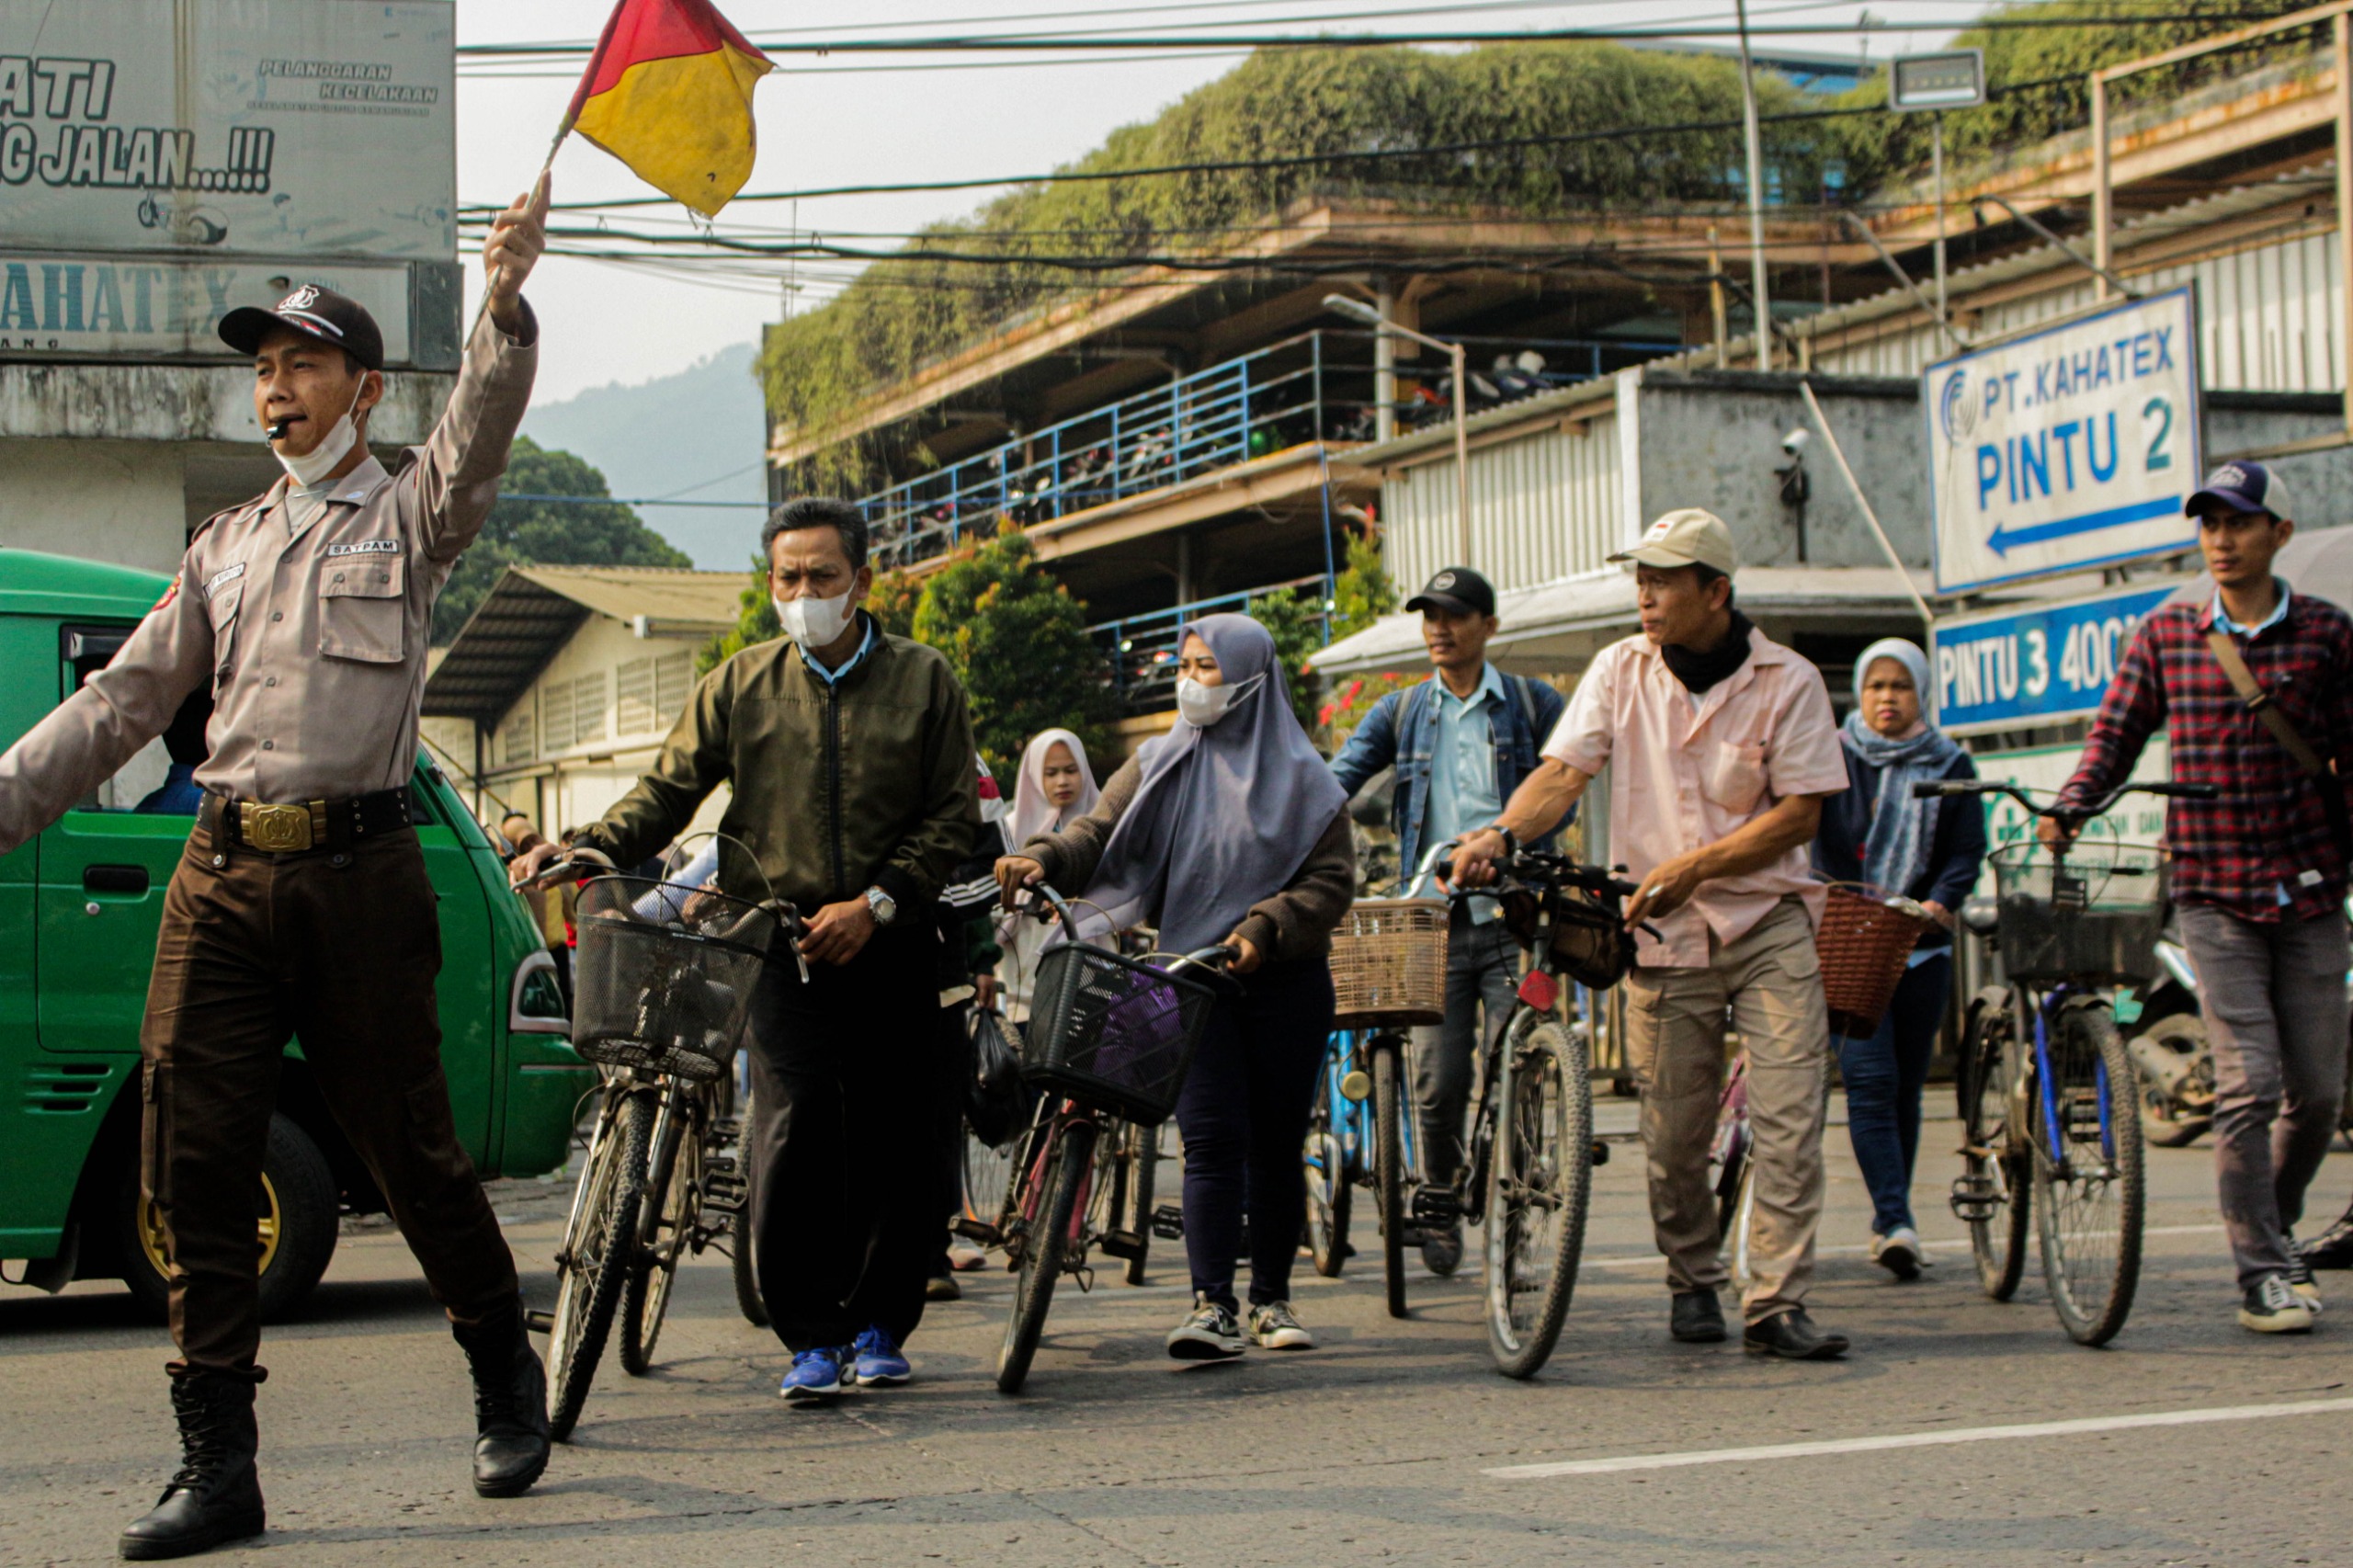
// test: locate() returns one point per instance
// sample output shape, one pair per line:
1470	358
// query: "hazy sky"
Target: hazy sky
824	122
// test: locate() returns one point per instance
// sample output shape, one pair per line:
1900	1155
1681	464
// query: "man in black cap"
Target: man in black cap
2255	690
301	904
1461	742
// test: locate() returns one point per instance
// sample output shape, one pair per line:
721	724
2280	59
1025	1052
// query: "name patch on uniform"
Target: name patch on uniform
366	547
221	578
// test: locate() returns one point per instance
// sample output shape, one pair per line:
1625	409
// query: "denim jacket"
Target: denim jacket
1399	731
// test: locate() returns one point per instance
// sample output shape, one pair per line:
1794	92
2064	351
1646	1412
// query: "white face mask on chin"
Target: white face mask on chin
1202	706
814	623
311	468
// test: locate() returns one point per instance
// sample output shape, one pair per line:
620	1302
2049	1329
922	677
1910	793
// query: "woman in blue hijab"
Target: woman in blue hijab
1929	851
1228	830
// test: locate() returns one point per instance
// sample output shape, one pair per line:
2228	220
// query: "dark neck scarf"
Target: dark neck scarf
1699	671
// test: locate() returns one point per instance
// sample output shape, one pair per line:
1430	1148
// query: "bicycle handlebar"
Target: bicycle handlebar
1935	788
1534	865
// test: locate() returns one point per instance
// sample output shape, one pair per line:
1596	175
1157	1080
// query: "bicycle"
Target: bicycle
660	1006
1109	1040
2048	1098
1343	1150
1527	1178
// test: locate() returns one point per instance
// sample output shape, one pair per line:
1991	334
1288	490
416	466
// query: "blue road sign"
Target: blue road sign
2012	669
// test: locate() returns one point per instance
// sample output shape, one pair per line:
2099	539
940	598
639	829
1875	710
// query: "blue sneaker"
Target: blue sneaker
878	1358
816	1374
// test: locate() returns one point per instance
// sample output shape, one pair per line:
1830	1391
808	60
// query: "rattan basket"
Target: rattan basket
1864	940
1389	963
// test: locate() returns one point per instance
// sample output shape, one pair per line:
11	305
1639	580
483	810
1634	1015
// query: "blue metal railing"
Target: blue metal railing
1141	649
1315	386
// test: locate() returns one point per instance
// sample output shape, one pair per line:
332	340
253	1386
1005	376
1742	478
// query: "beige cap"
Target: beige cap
1689	537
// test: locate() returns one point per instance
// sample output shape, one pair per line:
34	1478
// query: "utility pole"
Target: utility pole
1756	197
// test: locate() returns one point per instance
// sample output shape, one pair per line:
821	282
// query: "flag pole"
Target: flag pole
545	164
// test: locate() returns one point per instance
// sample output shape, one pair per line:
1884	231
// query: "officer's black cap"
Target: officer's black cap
336	319
1456	590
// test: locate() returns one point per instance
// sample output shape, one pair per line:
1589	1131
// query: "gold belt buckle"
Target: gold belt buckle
278	829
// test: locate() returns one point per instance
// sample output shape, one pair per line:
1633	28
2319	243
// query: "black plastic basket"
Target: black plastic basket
663	982
1115	1034
2092	915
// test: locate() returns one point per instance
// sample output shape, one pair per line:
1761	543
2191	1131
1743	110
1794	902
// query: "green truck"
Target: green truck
79	908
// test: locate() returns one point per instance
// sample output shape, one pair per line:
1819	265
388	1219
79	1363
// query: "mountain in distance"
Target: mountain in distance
661	437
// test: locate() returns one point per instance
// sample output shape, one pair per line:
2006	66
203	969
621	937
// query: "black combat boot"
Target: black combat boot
510	1404
216	1497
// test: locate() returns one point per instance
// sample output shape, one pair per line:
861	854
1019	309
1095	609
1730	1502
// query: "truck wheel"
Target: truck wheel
297	1212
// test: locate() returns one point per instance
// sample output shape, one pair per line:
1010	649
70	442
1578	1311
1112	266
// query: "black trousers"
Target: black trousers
845	1085
1244	1115
341	947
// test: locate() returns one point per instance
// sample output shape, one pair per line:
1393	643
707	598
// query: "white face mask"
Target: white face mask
313	467
813	623
1205	705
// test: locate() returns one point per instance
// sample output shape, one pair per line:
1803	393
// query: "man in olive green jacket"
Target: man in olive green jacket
850	755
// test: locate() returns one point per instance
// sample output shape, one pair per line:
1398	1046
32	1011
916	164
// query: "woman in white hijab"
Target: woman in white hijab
1056	786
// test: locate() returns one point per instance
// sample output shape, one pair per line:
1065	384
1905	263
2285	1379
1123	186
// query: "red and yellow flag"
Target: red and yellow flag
669	93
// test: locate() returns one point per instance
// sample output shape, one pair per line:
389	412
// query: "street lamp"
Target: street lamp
1356	310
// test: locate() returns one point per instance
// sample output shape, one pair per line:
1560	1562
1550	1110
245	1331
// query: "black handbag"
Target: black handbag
995	1104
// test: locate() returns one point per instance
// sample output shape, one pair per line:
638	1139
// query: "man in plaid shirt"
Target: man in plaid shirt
2258	872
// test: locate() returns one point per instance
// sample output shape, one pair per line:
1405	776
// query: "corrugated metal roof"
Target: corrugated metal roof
532	611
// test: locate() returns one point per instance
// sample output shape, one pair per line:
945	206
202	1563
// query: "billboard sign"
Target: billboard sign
2033	665
2070	448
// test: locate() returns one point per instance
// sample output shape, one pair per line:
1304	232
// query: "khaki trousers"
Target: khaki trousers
1769	985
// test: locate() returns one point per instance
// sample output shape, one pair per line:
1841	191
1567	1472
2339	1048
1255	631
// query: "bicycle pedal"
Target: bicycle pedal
1121	1244
979	1230
727	1130
1168	1222
539	1321
1975	1201
1437	1206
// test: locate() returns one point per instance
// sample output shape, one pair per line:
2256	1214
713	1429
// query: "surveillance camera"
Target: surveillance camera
1794	442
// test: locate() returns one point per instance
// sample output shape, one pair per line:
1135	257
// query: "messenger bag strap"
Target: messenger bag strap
2258	702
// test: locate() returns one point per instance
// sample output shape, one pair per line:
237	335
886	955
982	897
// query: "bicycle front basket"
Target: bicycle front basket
2092	915
1115	1034
665	975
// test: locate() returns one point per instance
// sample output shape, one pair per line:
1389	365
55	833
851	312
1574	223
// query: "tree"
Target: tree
756	621
893	600
1019	642
1363	592
547	533
1296	621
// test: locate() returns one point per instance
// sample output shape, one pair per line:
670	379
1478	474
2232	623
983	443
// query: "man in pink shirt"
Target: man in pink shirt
1724	750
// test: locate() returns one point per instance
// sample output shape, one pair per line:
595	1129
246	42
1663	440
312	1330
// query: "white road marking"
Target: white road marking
1625	1462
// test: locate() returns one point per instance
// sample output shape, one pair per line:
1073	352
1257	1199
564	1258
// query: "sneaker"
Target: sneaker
964	1255
1273	1326
2300	1278
1898	1252
1210	1333
816	1374
880	1360
2271	1306
942	1288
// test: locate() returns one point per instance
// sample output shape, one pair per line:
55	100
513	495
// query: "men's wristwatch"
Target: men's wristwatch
885	908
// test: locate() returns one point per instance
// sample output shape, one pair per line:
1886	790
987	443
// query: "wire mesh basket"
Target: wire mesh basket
1864	940
665	975
2092	914
1114	1033
1389	963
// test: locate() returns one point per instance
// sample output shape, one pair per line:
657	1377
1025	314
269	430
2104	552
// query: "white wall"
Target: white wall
1543	506
115	501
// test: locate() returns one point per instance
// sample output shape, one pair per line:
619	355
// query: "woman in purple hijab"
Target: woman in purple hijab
1228	830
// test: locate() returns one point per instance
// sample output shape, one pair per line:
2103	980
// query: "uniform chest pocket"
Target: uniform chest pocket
363	609
222	606
1734	776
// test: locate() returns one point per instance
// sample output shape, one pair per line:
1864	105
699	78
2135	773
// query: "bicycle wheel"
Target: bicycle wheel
1329	1189
1540	1186
2088	1183
594	1262
1144	1162
1389	1164
1990	1198
743	1261
674	1197
1045	1236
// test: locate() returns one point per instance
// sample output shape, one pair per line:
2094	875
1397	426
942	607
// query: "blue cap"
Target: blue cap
2240	487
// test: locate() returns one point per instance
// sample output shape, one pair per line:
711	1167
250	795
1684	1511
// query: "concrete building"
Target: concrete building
555	695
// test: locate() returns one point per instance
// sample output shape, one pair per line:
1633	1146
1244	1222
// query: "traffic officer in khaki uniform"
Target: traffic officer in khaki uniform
301	907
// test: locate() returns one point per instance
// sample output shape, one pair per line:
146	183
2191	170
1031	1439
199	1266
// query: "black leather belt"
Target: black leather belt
298	825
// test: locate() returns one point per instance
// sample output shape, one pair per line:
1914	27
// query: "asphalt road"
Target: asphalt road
1383	1444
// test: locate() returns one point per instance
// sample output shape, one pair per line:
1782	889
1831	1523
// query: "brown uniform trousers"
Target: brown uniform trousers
339	947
